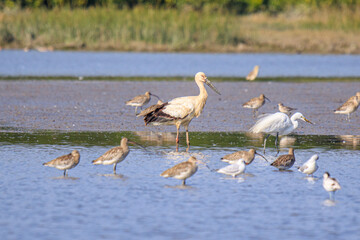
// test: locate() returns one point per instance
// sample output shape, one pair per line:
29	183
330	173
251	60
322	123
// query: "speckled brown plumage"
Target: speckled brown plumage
182	170
285	162
65	162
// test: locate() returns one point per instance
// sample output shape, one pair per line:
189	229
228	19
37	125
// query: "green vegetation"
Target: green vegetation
200	26
198	139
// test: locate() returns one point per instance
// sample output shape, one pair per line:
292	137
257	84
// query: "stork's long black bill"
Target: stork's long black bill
212	86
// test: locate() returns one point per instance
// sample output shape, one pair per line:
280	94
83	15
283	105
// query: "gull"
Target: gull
234	169
310	166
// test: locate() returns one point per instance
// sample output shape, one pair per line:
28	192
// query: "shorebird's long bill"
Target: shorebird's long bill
155	96
201	162
307	120
267	99
212	86
262	156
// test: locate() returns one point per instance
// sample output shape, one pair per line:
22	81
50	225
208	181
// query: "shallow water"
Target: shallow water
60	63
36	202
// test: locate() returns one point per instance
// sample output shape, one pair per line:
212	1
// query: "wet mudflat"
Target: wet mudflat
100	105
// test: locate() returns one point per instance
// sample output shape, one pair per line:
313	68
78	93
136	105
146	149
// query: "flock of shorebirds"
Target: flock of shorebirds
180	111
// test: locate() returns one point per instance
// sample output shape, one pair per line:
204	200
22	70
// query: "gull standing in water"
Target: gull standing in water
310	166
256	103
140	100
253	74
350	106
248	156
284	162
182	170
234	169
65	162
331	185
180	111
114	155
277	123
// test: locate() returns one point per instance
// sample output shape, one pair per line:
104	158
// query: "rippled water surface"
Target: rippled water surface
59	63
36	202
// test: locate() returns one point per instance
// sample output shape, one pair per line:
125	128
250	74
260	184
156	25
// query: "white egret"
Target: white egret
277	123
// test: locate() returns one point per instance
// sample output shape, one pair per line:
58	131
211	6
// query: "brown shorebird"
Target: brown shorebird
65	162
140	100
256	103
114	155
285	109
150	109
180	111
248	156
253	74
182	171
350	106
331	185
285	162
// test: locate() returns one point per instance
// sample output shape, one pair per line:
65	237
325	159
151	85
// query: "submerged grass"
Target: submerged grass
148	29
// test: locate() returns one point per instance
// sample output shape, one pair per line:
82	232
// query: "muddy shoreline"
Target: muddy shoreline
100	105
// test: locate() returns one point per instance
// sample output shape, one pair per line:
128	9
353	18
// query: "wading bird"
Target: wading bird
253	74
256	103
349	106
310	166
284	162
277	123
182	171
331	185
180	111
234	169
285	109
140	100
65	162
248	156
114	155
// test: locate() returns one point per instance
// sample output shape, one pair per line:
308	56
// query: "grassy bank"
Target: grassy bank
147	29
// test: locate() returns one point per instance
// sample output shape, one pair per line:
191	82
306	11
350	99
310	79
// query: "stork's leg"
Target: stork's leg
177	137
114	169
277	144
265	141
187	138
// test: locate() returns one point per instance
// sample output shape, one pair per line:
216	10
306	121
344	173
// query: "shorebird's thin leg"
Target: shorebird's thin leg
136	110
277	144
183	182
265	141
64	172
114	168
